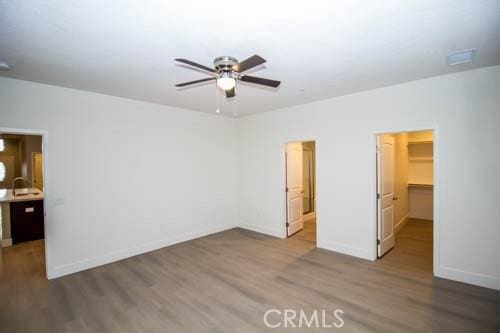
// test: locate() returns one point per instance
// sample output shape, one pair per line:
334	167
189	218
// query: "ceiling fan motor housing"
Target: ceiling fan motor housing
224	64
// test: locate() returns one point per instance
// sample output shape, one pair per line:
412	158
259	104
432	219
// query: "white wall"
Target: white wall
125	176
464	106
100	211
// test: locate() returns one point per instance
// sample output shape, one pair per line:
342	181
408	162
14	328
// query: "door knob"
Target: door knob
394	198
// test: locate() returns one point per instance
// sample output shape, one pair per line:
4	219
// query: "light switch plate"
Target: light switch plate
58	201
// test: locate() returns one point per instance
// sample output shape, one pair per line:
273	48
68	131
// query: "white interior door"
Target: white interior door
385	193
294	188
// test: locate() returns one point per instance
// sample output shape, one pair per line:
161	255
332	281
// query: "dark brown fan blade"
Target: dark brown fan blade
230	93
259	80
194	64
193	82
251	62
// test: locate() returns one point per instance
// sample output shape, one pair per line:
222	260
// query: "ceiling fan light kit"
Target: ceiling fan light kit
227	71
226	81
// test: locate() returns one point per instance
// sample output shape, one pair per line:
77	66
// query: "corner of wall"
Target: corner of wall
263	230
345	249
477	279
74	267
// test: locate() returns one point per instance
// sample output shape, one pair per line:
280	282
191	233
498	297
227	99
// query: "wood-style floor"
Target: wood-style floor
308	233
227	281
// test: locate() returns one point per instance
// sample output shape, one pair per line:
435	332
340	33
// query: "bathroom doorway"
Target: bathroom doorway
300	190
22	198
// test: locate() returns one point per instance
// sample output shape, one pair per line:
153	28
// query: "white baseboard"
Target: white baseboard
401	223
81	265
483	280
6	242
345	249
264	230
310	216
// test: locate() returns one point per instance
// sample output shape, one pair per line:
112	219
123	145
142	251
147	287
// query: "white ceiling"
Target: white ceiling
318	49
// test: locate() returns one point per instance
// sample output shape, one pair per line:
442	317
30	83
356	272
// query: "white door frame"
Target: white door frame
436	188
283	232
46	186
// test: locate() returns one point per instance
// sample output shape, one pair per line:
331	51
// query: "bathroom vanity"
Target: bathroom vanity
22	216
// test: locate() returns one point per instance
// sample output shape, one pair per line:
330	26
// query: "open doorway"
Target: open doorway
22	192
405	191
300	190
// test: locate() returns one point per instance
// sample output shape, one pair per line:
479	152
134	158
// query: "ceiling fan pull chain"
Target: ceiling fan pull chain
234	100
217	110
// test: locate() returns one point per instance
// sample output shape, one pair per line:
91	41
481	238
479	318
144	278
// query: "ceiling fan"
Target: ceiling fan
227	70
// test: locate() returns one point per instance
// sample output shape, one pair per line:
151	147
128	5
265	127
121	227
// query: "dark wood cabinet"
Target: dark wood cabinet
26	220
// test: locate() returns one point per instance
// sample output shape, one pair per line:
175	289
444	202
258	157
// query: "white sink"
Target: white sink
24	191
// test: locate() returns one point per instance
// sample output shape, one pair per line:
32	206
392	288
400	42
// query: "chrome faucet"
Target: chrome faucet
14	181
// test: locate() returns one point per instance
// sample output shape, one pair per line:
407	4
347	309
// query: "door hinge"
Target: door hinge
286	189
287	224
378	195
378	241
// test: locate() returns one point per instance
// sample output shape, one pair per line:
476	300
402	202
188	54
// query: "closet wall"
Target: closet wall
309	186
420	174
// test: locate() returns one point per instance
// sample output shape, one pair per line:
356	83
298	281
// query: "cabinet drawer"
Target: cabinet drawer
23	208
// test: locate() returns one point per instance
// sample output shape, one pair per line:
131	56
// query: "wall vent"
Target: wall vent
461	57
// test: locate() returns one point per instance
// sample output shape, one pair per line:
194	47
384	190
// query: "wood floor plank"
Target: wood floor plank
226	282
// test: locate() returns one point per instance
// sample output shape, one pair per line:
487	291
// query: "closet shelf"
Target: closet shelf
412	185
420	159
420	143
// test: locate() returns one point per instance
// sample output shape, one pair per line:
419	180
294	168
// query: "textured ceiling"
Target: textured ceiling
318	49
